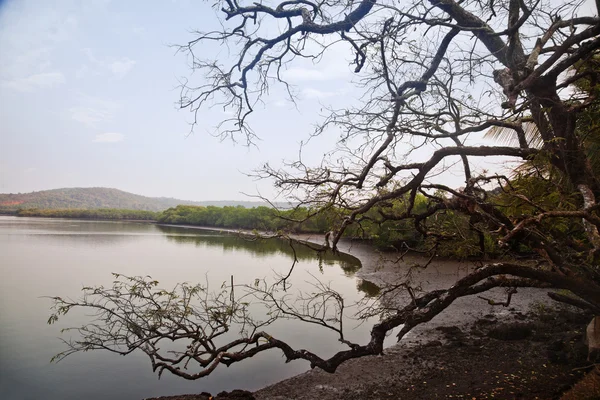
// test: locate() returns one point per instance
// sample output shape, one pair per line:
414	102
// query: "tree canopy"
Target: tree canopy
435	75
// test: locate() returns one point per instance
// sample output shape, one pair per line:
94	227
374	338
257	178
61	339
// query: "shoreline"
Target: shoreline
385	268
453	355
459	353
423	355
143	221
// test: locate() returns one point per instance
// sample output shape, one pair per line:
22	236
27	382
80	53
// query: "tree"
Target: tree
436	74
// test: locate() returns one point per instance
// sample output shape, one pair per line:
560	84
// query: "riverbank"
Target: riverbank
455	355
517	356
528	350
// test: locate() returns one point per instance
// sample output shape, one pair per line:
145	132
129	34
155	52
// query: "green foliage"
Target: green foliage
385	233
98	214
257	218
588	124
376	226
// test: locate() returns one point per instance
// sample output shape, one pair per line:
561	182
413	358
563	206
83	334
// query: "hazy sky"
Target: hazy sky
88	93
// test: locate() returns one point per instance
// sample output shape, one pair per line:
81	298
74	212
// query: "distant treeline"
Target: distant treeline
97	214
228	217
257	218
384	233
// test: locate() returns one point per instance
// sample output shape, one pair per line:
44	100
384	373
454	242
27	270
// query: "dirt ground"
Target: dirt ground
514	357
538	355
529	350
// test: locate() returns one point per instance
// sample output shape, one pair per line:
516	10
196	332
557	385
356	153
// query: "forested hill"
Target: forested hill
94	198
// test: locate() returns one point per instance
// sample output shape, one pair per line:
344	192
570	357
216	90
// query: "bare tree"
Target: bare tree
436	74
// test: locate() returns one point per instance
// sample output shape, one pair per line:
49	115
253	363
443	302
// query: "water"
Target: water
50	257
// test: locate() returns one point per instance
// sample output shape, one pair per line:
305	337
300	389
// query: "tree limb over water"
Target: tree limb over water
135	315
435	75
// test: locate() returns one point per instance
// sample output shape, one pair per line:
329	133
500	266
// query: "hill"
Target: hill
95	198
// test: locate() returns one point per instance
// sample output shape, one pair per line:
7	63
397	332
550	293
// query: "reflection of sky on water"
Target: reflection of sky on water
108	233
58	257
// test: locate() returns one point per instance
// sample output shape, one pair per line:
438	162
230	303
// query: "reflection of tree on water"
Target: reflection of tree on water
369	288
261	247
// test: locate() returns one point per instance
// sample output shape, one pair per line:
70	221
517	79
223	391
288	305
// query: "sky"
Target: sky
88	92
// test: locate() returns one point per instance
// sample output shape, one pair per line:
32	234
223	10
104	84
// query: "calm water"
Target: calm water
46	257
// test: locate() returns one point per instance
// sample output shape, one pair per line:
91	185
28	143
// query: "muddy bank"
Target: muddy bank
538	355
529	350
385	269
517	356
472	350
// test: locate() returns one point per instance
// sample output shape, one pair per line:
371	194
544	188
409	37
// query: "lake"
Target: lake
51	257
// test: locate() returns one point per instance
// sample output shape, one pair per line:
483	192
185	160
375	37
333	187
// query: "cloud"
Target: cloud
89	116
139	31
30	35
24	60
64	28
82	72
43	80
311	93
95	4
305	74
335	64
118	68
90	55
330	71
109	137
121	68
92	111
